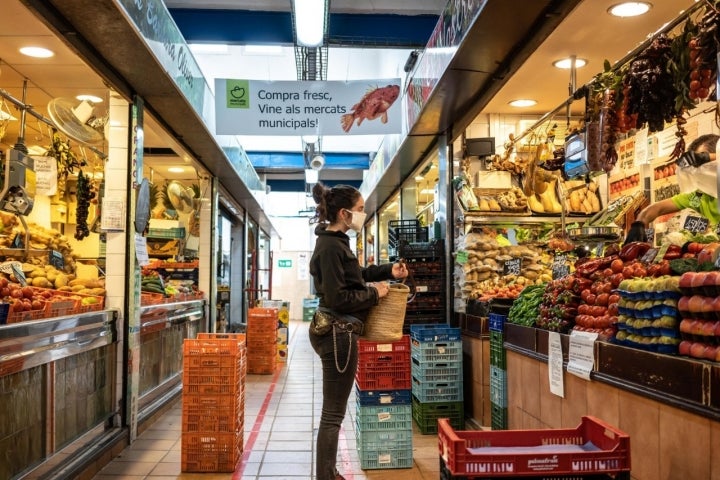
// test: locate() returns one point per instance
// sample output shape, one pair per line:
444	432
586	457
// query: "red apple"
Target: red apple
711	278
698	281
683	304
708	308
686	325
707	329
695	304
717	355
686	280
684	347
697	350
717	330
710	352
696	327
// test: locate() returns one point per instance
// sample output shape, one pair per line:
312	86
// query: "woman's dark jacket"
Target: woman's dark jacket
338	277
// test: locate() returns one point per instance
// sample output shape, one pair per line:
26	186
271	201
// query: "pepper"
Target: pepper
634	250
673	252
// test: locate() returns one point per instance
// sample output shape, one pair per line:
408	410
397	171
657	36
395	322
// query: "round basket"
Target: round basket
385	321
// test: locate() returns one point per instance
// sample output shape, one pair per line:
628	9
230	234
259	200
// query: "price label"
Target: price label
14	268
512	266
56	259
650	255
695	224
560	267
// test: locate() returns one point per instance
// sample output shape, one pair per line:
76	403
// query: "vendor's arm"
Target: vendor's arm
651	212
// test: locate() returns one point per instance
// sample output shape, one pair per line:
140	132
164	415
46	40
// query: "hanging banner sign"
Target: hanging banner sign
253	107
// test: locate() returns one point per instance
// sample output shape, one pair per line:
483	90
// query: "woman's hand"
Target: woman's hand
381	288
399	270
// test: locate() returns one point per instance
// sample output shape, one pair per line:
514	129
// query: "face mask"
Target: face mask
358	220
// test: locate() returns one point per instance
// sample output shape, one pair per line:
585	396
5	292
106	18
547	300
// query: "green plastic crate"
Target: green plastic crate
426	415
498	386
498	355
498	417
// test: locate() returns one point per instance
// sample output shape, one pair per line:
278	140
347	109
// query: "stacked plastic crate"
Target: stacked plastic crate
384	411
437	376
261	330
498	373
213	402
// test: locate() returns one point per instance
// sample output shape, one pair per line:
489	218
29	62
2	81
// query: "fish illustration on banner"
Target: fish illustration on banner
373	105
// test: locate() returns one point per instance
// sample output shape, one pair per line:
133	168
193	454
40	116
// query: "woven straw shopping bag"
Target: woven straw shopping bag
385	321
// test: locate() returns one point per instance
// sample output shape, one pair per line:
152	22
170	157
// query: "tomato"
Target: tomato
607	272
640	271
616	279
602	299
617	266
614	298
16	293
628	272
590	300
584	294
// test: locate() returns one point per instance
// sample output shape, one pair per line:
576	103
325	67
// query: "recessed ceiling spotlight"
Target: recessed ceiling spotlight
176	169
629	9
566	63
419	178
37	52
89	98
522	102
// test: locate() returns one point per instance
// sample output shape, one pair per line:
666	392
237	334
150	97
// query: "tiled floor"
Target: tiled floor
282	412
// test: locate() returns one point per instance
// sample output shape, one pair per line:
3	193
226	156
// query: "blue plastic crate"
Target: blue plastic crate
387	457
438	352
434	333
383	417
382	397
437	372
379	439
427	392
496	322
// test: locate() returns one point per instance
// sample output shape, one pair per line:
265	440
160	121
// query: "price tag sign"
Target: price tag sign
14	268
512	267
560	267
56	259
650	255
695	224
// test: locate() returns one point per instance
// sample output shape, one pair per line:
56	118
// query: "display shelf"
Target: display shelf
513	221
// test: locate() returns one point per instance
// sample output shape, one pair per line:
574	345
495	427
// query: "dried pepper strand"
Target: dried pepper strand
84	195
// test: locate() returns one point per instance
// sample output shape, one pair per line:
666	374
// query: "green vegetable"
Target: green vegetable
526	308
682	265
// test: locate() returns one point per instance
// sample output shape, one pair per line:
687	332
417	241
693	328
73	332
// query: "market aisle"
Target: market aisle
281	416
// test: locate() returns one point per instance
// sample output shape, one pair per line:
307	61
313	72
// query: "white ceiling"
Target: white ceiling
604	37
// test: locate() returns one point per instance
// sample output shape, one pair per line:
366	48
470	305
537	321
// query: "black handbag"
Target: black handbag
321	323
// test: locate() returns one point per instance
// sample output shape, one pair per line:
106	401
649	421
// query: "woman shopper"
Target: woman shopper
345	300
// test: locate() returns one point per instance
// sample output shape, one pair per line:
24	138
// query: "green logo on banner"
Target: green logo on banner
238	93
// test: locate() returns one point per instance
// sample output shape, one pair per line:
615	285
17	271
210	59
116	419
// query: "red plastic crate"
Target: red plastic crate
592	448
202	346
366	347
384	371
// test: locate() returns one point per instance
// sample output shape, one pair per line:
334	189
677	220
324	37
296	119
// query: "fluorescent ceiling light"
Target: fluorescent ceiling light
523	103
419	178
37	52
629	9
209	48
176	169
567	63
89	98
427	191
4	116
309	16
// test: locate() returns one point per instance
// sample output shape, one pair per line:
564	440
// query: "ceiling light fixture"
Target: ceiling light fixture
37	52
176	169
309	17
89	98
311	176
317	162
522	102
629	9
566	63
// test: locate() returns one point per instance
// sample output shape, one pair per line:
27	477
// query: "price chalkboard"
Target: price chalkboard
696	224
56	259
512	266
560	267
650	255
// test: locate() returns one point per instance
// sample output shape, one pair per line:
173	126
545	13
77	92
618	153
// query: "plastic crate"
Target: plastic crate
224	382
368	348
498	355
437	391
498	417
438	352
387	457
498	386
437	372
521	453
434	333
382	397
218	346
426	415
496	322
211	452
228	419
17	316
384	366
424	250
383	417
378	439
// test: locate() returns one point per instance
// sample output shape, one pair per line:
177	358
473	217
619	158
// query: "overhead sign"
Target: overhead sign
253	107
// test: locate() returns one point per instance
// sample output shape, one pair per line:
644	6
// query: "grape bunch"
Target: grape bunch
85	194
651	91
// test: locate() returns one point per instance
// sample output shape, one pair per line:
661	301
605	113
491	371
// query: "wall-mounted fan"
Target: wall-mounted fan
74	119
182	198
